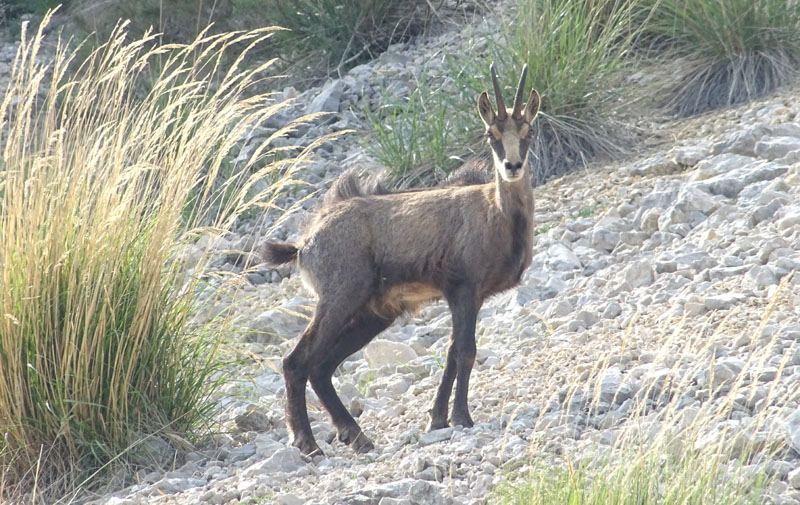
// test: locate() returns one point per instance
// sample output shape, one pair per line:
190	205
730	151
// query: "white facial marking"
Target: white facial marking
510	141
511	146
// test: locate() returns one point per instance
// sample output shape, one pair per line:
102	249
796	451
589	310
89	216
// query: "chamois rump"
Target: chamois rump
371	257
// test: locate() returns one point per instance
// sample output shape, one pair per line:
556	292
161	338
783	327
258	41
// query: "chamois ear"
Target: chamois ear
532	107
485	109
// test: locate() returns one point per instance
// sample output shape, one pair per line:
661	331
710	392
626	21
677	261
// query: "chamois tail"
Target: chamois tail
279	253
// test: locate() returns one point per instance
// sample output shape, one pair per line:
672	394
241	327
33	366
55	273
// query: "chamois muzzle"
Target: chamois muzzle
512	169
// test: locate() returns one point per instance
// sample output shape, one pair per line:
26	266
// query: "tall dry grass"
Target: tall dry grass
109	165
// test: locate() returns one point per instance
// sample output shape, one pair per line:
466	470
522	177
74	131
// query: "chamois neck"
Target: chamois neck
516	195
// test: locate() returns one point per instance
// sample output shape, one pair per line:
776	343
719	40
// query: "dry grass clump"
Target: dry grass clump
575	51
732	51
102	179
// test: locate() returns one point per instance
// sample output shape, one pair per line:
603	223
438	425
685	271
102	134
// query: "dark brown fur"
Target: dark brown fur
347	186
371	256
278	253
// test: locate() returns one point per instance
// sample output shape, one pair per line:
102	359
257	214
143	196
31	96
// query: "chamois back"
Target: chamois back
347	185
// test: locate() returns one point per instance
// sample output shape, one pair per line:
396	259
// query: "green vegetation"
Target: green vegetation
12	9
338	34
578	54
179	21
589	211
324	37
420	137
733	51
98	358
364	381
625	478
670	450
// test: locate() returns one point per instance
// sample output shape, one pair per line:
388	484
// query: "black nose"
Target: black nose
512	167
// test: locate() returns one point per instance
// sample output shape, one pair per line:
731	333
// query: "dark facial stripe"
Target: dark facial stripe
524	144
497	147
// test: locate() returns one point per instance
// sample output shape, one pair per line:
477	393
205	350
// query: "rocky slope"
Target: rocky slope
664	279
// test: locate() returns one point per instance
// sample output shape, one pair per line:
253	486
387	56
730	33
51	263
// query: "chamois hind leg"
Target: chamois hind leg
330	317
460	358
358	332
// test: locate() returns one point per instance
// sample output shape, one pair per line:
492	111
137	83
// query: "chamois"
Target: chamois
373	257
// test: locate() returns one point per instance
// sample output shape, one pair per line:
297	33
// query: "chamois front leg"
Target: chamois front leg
438	412
460	357
464	361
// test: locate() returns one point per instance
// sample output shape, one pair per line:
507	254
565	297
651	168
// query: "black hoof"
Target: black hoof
437	424
355	437
463	419
363	445
307	446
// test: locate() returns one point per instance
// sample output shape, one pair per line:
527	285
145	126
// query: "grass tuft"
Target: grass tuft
104	179
338	34
629	478
575	51
423	136
734	51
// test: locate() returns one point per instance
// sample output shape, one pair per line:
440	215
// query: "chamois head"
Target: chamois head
508	131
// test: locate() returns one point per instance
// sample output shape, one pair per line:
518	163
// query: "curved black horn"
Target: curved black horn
498	95
517	112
